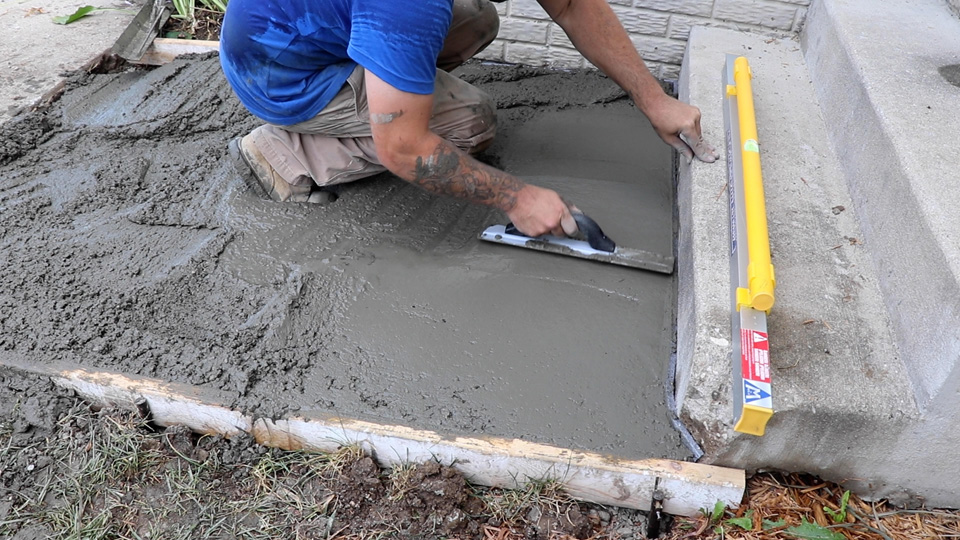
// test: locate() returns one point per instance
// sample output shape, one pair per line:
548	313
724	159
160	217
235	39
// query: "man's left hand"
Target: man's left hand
678	124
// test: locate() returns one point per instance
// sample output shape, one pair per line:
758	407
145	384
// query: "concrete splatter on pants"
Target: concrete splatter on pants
336	146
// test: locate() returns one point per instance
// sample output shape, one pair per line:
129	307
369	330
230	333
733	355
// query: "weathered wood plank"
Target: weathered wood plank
164	50
499	462
489	461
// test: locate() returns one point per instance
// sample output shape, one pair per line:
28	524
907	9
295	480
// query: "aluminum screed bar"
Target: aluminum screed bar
751	272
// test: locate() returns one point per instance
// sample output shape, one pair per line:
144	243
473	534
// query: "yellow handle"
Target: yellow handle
759	293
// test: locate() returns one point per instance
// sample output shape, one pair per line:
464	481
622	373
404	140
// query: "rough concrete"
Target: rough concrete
955	5
36	52
137	249
845	394
903	106
845	403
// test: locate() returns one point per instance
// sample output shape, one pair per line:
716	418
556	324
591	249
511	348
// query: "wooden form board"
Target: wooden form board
489	461
164	50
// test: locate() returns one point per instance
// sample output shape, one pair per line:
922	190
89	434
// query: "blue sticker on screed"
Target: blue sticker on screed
752	392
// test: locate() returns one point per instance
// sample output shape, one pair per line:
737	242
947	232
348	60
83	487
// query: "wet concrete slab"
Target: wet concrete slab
134	246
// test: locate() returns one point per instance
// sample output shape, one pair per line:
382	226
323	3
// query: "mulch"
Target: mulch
779	505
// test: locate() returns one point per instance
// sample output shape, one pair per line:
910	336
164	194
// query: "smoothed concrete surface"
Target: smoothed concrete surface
844	402
35	52
884	78
138	249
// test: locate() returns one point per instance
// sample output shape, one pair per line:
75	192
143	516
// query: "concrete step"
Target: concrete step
845	401
894	125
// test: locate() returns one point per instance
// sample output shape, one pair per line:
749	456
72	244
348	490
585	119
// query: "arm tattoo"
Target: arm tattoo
450	171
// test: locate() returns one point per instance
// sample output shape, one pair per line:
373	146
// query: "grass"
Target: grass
109	476
401	481
187	9
509	506
115	478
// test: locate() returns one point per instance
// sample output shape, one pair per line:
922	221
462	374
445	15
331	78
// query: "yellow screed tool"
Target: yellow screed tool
751	272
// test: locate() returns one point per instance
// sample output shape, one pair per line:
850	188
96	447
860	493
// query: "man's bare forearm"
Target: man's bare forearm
597	33
438	166
447	170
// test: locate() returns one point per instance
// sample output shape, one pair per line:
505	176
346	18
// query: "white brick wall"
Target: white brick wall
658	29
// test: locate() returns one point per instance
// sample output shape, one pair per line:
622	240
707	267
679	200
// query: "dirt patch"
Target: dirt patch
205	25
415	500
72	472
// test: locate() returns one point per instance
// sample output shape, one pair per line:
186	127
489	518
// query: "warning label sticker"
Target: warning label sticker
755	355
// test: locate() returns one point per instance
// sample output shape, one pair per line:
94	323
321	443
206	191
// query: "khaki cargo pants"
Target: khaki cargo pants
336	146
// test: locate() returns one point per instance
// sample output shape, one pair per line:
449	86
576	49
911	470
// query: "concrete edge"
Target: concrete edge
36	52
702	331
842	396
887	172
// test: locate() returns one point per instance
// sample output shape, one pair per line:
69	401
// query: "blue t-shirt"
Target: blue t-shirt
286	59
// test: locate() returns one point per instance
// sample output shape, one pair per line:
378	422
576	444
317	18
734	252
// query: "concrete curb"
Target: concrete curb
844	404
35	51
898	166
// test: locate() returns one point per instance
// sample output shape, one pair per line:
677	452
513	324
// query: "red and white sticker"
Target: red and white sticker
755	355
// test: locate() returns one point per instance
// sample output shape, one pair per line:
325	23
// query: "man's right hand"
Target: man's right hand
541	211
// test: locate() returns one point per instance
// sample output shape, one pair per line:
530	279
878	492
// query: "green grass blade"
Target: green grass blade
185	9
745	522
219	6
76	15
718	510
813	531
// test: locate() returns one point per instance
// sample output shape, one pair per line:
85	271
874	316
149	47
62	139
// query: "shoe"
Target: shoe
260	175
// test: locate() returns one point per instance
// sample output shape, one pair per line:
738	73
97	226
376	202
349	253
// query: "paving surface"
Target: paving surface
829	335
140	250
863	335
127	221
897	170
35	51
